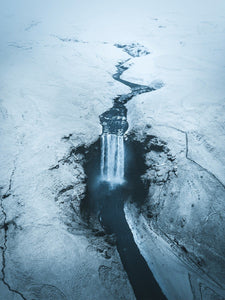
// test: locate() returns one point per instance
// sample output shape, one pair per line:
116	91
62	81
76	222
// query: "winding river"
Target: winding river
113	174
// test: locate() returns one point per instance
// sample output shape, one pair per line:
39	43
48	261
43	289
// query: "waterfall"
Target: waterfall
112	158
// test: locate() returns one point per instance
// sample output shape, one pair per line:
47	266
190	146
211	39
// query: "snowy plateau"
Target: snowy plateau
58	73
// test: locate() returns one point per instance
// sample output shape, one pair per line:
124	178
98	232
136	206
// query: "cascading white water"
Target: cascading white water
112	158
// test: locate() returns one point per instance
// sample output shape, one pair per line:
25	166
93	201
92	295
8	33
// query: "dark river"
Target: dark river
107	203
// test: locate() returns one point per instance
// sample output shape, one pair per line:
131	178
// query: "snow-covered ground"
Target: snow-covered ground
178	276
186	205
57	60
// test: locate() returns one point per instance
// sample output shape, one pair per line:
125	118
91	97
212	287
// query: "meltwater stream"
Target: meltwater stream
114	168
120	166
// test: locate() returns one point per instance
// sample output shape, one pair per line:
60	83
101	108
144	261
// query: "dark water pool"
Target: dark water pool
107	202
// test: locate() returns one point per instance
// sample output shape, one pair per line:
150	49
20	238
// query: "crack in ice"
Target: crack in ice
5	227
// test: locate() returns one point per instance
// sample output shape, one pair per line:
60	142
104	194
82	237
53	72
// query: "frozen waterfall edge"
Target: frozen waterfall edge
112	158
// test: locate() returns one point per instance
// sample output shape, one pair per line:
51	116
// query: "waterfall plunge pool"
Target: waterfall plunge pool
105	201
